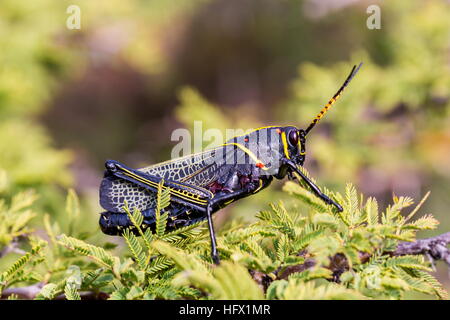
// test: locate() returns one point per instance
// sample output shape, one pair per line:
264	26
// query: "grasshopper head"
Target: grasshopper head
292	149
293	144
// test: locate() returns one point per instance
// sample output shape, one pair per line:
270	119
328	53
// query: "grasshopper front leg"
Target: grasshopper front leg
314	188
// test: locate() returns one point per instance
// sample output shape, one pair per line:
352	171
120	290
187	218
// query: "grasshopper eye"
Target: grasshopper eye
293	137
111	166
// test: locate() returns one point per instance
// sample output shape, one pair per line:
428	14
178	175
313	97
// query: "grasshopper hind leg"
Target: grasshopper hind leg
113	224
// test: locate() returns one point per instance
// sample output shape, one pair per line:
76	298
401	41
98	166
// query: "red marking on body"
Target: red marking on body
246	139
260	165
216	187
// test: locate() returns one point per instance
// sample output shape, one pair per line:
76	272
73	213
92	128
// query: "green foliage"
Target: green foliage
398	107
15	217
309	252
17	272
32	64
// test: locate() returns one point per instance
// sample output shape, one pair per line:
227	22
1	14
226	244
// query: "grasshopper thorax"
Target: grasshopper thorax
271	148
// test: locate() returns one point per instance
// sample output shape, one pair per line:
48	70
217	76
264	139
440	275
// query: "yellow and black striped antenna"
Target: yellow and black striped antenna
335	97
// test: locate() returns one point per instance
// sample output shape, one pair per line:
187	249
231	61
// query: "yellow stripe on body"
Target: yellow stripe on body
247	151
285	145
300	148
196	173
260	128
260	186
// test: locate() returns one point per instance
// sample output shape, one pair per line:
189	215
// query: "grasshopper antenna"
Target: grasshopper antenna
333	100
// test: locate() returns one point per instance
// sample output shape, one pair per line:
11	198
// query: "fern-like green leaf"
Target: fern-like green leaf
161	222
71	292
371	211
135	248
96	253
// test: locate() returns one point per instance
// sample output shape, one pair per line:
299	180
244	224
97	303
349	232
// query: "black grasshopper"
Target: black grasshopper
203	183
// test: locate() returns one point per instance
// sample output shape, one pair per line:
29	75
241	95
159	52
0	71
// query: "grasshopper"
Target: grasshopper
203	183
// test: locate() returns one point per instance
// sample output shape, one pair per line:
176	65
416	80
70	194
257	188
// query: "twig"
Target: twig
87	295
12	247
29	292
434	248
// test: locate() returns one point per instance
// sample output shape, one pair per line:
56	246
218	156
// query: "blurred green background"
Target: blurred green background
137	70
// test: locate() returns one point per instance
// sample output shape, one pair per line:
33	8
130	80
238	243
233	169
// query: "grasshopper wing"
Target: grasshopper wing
198	170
